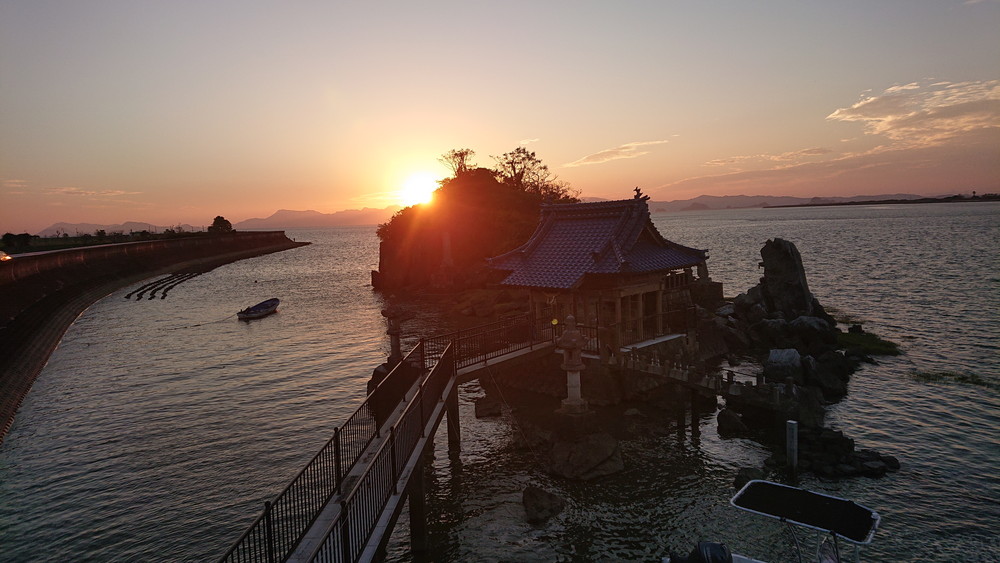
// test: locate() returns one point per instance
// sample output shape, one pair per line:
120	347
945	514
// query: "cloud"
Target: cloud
916	115
628	150
967	162
72	191
528	141
792	156
15	187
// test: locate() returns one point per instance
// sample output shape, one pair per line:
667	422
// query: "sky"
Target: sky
173	112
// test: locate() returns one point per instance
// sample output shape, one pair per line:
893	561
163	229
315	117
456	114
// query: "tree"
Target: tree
459	161
522	170
220	225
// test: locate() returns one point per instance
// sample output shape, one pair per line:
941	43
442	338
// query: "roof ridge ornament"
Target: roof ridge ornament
638	194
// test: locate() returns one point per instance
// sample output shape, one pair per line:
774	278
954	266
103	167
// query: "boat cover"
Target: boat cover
843	517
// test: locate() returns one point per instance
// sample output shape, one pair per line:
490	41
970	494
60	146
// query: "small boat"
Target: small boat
834	518
262	309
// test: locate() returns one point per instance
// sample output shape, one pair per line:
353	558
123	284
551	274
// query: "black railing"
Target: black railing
492	340
360	511
277	531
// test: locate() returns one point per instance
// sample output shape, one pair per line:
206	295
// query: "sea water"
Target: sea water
160	426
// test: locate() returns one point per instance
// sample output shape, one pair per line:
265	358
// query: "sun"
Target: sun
418	188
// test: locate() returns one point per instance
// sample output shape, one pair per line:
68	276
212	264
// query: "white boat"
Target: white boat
835	519
262	309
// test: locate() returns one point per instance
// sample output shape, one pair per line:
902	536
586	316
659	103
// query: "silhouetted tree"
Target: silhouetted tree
459	161
522	170
220	225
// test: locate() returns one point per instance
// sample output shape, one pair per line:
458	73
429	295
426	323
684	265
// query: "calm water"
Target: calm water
159	427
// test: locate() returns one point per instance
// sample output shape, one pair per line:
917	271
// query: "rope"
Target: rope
202	324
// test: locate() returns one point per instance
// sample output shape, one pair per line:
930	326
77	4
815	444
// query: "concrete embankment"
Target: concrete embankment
42	294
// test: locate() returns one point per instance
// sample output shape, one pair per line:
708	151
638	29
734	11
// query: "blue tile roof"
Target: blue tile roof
574	240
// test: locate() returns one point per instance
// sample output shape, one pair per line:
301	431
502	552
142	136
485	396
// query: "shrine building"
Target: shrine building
606	264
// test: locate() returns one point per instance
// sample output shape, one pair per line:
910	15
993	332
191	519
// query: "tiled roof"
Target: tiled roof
577	239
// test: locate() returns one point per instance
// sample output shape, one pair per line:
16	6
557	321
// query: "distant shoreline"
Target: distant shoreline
949	199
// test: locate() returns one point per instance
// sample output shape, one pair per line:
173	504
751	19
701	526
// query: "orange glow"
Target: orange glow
418	188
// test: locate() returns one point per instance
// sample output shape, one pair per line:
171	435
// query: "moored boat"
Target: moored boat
832	517
262	309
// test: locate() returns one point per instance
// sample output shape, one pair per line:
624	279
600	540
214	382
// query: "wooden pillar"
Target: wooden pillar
695	428
659	313
418	509
454	429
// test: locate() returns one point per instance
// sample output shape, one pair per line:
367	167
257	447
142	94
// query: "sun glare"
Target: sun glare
418	188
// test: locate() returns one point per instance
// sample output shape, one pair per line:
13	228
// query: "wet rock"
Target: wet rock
731	423
891	463
782	364
746	474
540	505
726	310
873	469
812	334
770	333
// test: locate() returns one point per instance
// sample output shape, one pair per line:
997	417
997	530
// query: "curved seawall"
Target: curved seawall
42	294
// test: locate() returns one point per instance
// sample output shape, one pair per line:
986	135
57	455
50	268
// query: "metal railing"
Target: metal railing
277	531
360	511
488	341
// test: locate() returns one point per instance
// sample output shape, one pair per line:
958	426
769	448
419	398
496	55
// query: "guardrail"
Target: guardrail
492	340
280	527
360	511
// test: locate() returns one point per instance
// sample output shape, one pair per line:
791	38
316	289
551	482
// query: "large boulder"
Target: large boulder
731	423
812	335
540	505
784	285
784	364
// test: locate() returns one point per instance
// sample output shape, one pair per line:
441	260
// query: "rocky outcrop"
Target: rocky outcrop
731	423
832	455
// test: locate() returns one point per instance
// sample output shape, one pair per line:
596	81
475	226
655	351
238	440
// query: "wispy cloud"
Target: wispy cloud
79	192
628	150
15	187
528	141
935	137
916	115
787	157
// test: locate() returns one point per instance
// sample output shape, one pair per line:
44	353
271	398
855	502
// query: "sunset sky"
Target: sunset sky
177	111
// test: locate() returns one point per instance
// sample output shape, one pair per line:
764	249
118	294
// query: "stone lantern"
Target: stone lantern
572	342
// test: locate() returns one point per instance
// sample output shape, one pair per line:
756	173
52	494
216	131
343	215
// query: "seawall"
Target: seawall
42	294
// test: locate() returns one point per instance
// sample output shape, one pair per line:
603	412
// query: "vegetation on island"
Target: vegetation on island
476	213
868	343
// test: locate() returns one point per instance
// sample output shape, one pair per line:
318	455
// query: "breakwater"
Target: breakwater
44	293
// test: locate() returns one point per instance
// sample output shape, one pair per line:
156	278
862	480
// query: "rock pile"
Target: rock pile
831	454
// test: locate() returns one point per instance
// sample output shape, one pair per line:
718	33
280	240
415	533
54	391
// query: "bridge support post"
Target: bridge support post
454	428
418	509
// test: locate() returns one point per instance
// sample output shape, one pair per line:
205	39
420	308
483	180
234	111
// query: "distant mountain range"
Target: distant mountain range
707	202
288	219
76	229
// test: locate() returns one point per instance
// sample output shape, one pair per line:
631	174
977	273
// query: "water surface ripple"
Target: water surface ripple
158	428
